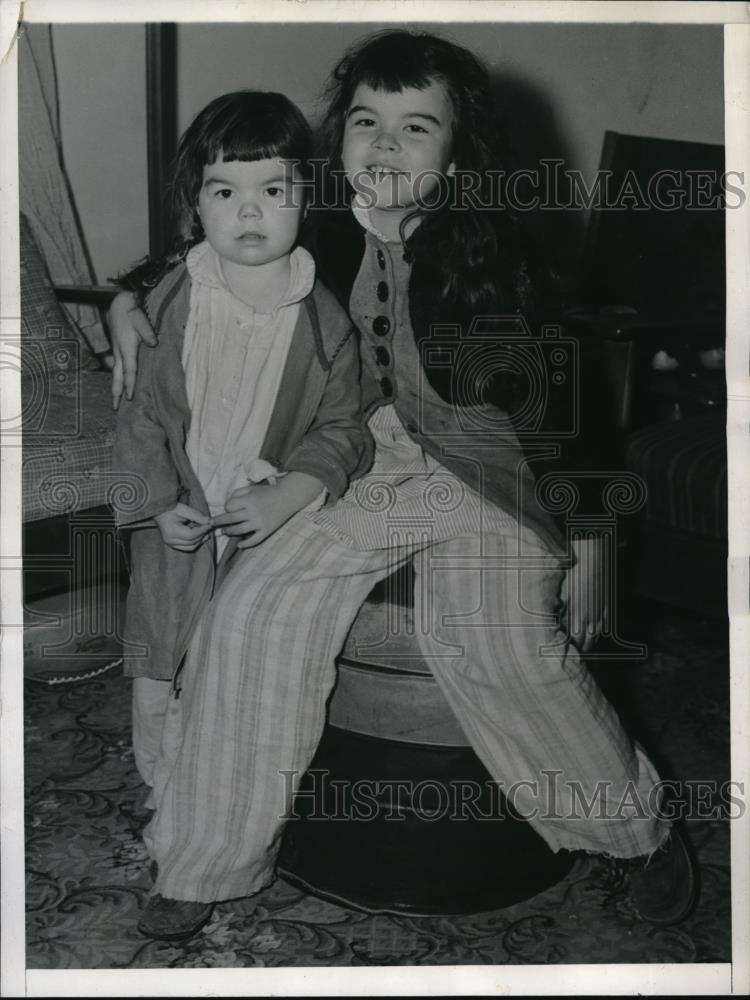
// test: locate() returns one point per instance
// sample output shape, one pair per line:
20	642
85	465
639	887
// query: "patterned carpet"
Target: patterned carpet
87	875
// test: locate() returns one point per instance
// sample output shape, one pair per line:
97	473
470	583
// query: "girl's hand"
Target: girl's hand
254	512
183	528
583	593
129	327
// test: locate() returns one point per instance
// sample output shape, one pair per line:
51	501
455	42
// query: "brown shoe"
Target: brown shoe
173	919
665	885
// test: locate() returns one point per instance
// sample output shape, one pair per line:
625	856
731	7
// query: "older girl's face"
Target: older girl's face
397	146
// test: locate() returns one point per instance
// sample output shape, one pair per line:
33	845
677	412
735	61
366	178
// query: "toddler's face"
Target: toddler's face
397	145
251	212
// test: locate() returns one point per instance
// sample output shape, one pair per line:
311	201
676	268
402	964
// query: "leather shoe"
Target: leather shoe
664	886
173	919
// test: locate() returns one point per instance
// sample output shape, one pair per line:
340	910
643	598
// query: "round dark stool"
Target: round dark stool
396	812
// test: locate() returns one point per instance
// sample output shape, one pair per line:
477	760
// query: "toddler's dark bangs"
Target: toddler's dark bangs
262	138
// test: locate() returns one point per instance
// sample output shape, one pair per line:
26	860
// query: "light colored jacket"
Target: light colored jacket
317	427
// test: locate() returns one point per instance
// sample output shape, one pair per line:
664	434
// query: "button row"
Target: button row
381	325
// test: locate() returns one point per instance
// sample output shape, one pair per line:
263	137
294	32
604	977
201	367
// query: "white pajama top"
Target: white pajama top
233	357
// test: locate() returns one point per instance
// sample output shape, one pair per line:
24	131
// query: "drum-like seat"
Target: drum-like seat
396	812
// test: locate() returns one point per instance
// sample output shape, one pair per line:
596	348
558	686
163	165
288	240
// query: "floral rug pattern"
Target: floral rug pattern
87	872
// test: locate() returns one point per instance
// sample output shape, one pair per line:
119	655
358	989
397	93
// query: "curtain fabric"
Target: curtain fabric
45	194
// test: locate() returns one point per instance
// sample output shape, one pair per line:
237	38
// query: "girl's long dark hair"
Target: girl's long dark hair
246	125
470	257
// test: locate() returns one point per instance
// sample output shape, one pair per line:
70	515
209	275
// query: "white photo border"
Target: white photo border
703	979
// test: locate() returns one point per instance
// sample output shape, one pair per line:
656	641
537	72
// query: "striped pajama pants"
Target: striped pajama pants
254	687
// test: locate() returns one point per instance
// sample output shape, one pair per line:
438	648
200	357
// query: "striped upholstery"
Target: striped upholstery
684	466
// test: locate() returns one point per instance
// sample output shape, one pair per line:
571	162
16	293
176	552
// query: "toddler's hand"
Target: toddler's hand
183	528
254	512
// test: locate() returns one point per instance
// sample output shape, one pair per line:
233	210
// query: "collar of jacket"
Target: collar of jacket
174	290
